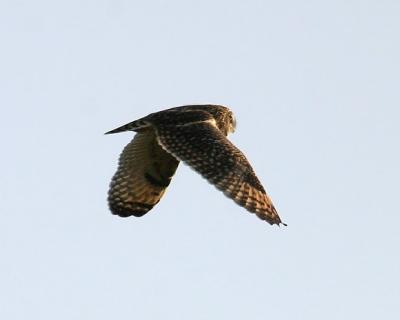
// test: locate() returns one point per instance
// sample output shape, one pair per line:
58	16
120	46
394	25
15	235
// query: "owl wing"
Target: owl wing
144	172
205	148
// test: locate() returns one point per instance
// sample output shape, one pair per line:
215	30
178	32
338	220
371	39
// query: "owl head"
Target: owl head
223	116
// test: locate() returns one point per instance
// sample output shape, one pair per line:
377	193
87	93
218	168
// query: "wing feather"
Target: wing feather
144	172
205	148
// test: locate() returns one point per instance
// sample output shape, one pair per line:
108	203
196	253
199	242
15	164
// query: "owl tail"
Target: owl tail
137	125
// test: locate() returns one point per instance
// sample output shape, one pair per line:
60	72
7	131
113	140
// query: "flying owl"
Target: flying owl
195	135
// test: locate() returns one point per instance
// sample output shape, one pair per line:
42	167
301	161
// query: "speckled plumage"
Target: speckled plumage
196	135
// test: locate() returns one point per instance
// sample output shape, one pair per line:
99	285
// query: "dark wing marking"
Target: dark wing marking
144	172
203	146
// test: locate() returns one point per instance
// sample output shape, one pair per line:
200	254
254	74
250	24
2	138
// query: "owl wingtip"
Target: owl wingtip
113	131
128	209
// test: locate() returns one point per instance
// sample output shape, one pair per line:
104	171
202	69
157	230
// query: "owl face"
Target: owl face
225	120
231	122
224	117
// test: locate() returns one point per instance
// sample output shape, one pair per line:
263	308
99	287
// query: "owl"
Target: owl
197	136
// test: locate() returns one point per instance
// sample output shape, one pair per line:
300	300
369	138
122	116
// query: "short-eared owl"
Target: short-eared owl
196	135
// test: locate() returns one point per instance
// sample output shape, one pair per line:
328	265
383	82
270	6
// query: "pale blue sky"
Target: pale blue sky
315	89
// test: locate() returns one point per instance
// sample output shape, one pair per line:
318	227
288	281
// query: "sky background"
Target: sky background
315	89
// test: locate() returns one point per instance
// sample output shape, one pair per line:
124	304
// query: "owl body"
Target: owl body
195	135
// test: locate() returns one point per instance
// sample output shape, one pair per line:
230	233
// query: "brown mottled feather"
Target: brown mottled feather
144	172
206	149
